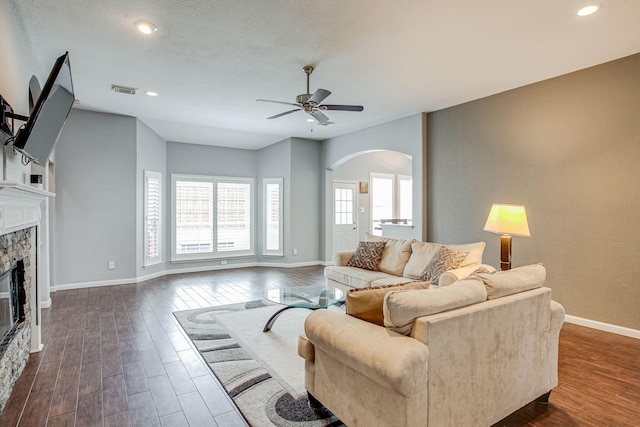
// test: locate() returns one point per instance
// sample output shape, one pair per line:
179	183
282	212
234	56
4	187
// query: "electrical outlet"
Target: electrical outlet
112	265
295	252
223	262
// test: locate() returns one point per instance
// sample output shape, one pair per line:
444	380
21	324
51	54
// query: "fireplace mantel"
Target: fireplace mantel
20	206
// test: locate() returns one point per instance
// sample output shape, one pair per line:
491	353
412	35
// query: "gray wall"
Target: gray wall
151	154
569	150
406	135
359	169
96	198
305	212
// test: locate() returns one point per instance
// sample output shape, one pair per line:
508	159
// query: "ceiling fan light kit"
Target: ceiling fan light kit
311	103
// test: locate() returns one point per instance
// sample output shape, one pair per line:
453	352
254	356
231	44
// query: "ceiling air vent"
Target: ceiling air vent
123	89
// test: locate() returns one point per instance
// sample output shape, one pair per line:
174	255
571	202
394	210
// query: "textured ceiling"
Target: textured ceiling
210	60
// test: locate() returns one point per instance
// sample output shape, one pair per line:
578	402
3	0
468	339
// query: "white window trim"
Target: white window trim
151	261
280	251
380	175
204	256
399	196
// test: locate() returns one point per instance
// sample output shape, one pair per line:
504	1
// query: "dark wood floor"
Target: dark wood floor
115	356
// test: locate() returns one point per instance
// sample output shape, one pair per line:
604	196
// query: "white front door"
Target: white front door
345	217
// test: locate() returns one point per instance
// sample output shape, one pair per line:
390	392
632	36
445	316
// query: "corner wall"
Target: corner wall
151	154
95	219
569	150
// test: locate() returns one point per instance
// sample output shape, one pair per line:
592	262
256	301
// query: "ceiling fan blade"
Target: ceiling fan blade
341	107
319	96
278	102
284	114
319	116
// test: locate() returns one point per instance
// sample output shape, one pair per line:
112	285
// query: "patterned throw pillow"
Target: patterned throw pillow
367	255
446	259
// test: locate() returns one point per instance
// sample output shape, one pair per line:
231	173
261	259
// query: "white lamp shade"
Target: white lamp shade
507	219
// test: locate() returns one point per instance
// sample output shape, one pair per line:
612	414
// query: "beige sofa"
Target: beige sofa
475	352
402	261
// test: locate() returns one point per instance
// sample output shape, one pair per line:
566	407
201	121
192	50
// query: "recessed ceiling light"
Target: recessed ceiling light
151	93
310	120
588	10
146	27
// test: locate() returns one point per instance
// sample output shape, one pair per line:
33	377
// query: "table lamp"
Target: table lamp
507	220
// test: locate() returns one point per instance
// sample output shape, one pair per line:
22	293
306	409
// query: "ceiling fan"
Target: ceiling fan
311	104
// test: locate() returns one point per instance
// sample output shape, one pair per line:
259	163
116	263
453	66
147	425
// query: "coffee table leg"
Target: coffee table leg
273	318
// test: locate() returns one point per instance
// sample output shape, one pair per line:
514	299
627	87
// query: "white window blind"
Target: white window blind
234	216
152	218
273	217
212	217
194	217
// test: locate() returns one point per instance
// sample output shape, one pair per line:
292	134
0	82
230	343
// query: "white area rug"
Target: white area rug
261	371
276	349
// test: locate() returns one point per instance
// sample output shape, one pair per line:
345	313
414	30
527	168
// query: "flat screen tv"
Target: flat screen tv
36	139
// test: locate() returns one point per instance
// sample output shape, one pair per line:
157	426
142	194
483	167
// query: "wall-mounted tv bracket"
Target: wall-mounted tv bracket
6	114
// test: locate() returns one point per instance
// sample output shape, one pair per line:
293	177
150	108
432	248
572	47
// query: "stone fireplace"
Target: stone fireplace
20	213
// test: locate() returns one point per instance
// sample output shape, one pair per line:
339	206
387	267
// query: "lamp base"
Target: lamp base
505	252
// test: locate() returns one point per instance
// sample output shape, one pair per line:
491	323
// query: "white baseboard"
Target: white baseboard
45	304
607	327
98	283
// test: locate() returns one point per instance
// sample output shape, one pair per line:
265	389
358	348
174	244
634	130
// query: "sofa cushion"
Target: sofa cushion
395	255
520	279
355	277
401	308
366	303
474	257
446	259
367	255
423	252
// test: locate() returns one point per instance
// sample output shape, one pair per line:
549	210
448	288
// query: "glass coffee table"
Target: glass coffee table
309	297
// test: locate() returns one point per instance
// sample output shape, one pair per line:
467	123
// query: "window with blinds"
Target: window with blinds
273	217
211	217
152	218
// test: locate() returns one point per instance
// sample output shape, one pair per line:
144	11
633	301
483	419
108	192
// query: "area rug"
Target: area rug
261	372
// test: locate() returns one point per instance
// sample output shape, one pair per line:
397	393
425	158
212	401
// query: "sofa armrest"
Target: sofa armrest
341	258
388	358
448	277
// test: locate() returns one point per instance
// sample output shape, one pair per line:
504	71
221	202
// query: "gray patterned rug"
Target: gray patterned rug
261	372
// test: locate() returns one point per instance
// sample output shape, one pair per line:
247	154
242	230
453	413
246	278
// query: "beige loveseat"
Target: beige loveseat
402	261
475	352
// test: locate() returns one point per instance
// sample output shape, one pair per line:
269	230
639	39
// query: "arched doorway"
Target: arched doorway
367	187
